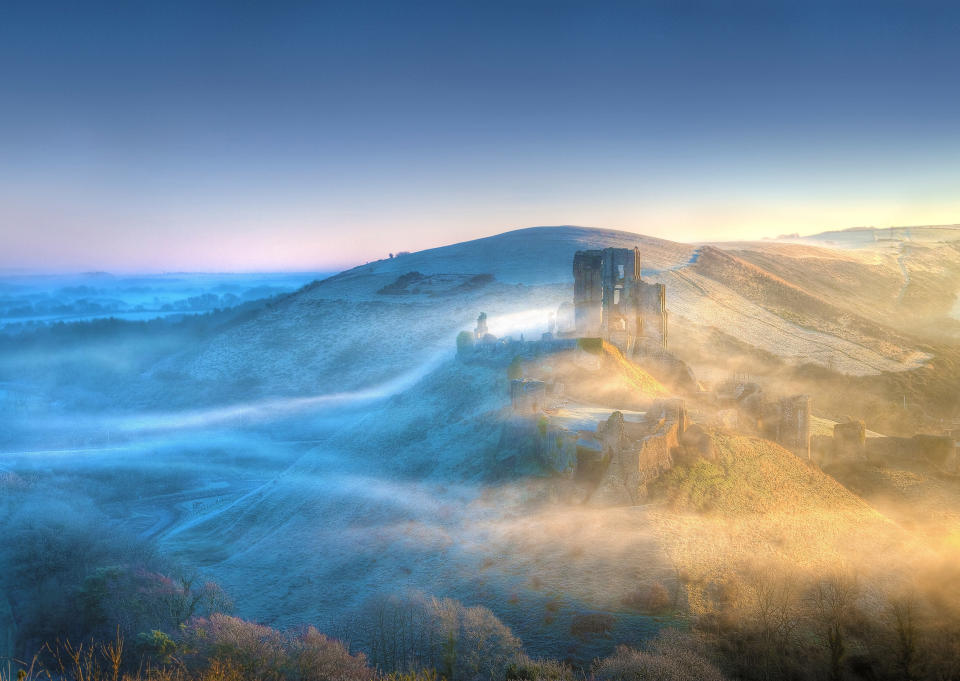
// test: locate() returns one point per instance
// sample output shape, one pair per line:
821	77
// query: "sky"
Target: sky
251	135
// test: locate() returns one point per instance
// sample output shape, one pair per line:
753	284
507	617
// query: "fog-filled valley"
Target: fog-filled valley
31	300
416	457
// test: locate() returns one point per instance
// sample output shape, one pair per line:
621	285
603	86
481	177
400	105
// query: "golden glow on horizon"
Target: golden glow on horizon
301	238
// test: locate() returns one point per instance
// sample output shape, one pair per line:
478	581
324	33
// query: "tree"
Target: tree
418	632
833	600
772	614
902	614
464	342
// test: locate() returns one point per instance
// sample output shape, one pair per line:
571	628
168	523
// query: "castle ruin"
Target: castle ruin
613	460
611	301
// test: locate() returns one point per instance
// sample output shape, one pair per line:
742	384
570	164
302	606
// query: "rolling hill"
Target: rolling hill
329	446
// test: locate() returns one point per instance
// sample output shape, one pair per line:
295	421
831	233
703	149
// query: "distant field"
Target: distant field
30	300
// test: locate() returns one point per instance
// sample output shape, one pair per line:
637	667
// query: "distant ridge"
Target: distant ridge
854	236
531	255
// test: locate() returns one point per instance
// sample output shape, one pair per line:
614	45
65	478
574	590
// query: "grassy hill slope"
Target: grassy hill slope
758	504
753	475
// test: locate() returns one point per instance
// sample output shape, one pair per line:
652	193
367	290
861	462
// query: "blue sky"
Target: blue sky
271	135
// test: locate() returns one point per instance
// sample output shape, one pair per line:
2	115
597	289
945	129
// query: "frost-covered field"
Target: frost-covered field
28	300
315	451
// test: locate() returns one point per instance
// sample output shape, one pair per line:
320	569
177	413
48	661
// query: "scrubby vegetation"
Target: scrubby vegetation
775	628
741	559
464	342
91	605
401	283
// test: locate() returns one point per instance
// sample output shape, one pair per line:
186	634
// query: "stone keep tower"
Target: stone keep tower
587	292
612	302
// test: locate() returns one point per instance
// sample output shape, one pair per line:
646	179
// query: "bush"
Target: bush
592	624
256	651
157	647
319	658
137	599
526	669
464	342
419	675
542	424
672	656
51	547
219	648
401	283
652	599
418	632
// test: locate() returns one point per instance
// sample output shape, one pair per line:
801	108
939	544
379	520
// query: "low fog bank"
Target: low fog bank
322	514
31	300
295	533
304	509
324	459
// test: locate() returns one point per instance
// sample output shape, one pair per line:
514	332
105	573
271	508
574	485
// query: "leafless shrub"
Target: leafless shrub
523	668
419	632
670	657
591	624
316	657
222	646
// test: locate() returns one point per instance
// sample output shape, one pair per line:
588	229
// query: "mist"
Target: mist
355	456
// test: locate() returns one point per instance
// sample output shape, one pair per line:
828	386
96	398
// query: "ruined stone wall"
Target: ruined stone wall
636	463
849	440
850	443
614	464
794	426
566	319
499	352
940	450
621	272
786	420
652	308
588	292
612	302
557	448
634	454
528	397
821	448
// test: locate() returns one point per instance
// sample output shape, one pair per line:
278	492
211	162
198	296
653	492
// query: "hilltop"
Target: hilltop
329	445
785	310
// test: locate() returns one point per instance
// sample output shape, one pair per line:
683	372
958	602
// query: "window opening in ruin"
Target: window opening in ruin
616	296
620	271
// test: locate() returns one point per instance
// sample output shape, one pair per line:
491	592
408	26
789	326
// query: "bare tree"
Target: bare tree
903	616
773	613
833	602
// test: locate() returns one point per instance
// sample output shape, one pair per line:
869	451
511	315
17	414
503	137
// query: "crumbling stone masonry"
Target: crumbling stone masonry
615	464
528	397
785	421
850	441
793	429
940	450
612	302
